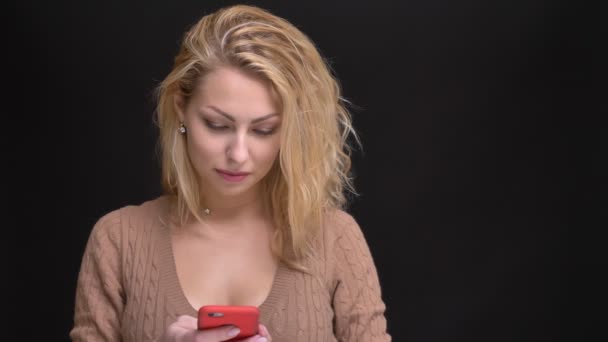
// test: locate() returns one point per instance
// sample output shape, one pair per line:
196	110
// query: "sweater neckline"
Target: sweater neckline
175	292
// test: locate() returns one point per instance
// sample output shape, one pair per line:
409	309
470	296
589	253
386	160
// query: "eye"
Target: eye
265	131
214	125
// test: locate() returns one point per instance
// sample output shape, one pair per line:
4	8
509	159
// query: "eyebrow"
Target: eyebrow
231	118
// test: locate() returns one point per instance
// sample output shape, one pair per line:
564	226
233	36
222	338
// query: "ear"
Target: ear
179	106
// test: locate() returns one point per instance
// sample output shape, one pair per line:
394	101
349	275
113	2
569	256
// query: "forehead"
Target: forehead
236	92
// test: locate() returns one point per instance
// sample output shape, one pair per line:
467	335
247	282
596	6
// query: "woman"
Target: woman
255	165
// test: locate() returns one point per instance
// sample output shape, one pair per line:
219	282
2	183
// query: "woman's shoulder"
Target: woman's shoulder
337	222
132	217
340	245
145	212
339	228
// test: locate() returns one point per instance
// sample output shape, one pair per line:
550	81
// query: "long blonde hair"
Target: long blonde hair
312	172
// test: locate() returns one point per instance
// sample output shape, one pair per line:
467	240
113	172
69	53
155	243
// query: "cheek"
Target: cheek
271	150
203	149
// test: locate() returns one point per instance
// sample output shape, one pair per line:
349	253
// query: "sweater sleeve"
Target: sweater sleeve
99	292
358	305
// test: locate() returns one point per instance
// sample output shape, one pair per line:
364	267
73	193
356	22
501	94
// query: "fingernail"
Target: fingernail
233	332
262	339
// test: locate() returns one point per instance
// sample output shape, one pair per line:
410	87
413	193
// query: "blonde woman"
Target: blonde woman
255	167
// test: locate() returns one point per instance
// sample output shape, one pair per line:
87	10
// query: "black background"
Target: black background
464	175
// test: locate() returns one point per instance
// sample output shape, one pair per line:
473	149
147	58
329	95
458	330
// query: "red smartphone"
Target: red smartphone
245	317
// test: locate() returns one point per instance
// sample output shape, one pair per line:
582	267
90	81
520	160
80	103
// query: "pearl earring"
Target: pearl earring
182	128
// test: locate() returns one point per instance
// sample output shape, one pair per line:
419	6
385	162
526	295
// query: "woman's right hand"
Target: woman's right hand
184	329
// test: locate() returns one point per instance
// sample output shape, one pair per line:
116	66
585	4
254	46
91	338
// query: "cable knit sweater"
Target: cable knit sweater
128	288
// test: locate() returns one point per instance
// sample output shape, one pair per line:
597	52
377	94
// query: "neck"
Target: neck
234	208
230	220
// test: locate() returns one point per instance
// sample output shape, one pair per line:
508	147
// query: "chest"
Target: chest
224	272
296	306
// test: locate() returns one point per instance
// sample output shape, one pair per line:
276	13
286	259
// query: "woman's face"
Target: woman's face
233	131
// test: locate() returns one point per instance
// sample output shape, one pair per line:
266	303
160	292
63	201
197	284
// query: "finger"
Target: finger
263	331
256	338
187	322
185	318
224	333
176	332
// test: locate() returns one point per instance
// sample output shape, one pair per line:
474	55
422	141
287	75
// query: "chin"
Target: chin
233	190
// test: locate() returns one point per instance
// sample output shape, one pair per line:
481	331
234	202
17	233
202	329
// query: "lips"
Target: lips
231	176
230	173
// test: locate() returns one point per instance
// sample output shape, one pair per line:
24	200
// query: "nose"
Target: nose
237	150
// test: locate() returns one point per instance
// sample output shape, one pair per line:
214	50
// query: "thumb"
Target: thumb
223	333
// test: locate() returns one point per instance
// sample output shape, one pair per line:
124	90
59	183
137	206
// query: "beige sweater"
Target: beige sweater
128	288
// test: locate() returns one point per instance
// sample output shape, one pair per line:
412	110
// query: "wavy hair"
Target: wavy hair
312	172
